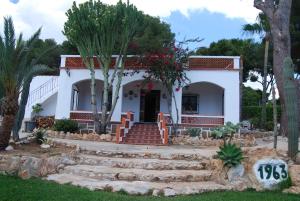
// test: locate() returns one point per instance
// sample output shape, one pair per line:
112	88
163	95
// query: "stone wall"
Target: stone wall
77	136
32	166
247	141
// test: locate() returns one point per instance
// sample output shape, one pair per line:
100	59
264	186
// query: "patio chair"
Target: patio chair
88	127
207	131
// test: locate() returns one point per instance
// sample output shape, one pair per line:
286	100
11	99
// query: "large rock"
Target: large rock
169	192
45	146
236	173
294	172
297	159
293	189
30	167
133	188
9	148
10	165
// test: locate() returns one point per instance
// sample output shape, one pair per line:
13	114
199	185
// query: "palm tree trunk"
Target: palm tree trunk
264	92
9	110
21	111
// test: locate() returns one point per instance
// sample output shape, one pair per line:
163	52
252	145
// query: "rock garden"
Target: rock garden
192	165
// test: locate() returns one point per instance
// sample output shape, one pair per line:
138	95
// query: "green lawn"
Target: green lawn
15	189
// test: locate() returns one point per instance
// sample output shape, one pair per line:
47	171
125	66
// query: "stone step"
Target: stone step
141	137
145	130
144	142
195	156
143	134
139	187
133	174
147	164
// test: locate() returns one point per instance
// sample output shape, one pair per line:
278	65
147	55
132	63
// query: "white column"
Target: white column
118	109
178	98
64	96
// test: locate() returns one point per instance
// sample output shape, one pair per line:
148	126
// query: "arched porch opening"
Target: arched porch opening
81	108
203	104
144	99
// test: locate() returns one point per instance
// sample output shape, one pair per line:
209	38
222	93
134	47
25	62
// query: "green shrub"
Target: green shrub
193	132
255	122
270	126
40	136
66	125
230	154
285	184
250	112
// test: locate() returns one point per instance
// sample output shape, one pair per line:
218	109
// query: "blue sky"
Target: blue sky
204	25
14	1
211	20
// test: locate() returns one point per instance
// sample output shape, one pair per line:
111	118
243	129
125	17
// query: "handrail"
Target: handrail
123	128
163	129
44	89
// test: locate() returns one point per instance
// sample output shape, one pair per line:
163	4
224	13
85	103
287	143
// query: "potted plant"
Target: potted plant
31	125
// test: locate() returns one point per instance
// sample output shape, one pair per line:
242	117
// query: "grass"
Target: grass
15	189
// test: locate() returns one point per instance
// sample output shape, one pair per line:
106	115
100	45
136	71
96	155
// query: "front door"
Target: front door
149	105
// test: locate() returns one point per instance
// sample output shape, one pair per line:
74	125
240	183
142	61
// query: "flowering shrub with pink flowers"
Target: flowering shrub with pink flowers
169	66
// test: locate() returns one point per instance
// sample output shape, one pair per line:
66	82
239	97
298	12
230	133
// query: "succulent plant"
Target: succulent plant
230	154
193	132
291	107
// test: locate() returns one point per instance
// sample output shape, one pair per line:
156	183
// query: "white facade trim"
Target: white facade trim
216	57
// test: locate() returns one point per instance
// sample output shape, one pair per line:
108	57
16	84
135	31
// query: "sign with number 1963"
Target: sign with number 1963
270	172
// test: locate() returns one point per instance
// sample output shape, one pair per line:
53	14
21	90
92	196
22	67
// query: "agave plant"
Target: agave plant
230	154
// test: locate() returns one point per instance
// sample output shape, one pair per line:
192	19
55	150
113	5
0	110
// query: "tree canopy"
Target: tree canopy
295	32
151	37
251	97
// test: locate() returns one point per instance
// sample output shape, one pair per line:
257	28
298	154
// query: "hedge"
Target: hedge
253	113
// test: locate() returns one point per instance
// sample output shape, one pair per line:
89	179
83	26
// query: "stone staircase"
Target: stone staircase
143	134
141	173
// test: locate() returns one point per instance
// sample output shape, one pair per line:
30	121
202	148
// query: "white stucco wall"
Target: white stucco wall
210	98
229	80
49	106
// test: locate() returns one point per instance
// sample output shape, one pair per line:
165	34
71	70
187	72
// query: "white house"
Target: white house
211	98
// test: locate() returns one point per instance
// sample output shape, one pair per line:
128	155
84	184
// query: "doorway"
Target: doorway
149	105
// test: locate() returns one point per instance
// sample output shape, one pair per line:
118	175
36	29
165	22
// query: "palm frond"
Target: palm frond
252	29
9	33
33	39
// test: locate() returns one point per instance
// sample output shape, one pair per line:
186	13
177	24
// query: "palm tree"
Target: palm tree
15	68
262	28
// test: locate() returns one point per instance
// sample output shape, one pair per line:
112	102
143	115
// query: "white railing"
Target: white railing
42	91
200	116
